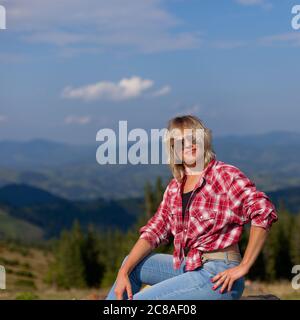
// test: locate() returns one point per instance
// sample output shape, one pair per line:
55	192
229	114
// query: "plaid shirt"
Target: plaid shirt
222	201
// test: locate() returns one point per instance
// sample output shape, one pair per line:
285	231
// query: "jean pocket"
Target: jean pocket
233	264
213	267
216	266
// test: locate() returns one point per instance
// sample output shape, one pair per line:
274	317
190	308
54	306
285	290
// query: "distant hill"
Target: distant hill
17	229
32	214
41	153
71	171
289	197
20	195
51	214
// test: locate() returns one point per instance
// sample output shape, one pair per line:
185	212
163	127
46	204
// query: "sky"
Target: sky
69	68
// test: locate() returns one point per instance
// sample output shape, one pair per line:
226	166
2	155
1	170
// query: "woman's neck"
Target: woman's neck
192	172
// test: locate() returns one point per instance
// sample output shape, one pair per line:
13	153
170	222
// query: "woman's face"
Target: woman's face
188	148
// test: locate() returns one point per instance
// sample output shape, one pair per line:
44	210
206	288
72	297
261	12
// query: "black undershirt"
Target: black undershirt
185	199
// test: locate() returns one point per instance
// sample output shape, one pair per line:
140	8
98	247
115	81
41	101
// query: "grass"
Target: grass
25	276
282	289
12	228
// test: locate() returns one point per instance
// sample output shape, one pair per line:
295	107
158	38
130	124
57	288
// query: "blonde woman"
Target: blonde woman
205	211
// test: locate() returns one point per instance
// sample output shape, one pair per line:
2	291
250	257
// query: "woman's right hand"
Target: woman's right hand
122	284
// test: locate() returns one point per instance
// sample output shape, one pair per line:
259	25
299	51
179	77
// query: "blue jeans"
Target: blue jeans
156	270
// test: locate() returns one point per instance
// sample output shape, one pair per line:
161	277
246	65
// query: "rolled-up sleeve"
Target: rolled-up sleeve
254	205
157	229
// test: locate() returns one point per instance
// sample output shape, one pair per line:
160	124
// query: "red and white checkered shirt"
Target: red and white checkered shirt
223	200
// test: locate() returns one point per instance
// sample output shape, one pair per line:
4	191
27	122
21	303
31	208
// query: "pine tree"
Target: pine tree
94	268
77	259
270	252
277	251
159	191
149	201
295	240
283	261
112	254
68	269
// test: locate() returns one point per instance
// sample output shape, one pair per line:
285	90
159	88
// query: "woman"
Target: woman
204	208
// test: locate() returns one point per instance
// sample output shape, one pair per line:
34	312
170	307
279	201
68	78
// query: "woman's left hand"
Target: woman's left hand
228	277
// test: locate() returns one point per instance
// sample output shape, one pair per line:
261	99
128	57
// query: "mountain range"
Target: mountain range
45	215
72	172
32	214
46	185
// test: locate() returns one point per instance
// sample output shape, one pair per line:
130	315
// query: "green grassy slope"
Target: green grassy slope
13	228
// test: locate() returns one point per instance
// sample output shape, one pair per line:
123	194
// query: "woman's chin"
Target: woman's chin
190	162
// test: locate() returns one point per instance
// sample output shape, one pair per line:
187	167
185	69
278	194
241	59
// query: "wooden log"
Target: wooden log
260	297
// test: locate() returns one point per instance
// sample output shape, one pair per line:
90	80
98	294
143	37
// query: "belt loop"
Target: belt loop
226	258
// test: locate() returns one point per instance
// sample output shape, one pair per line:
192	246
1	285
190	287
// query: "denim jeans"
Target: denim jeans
156	270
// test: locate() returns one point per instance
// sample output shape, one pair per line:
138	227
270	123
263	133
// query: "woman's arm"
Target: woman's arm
257	238
158	229
141	249
154	233
256	241
248	205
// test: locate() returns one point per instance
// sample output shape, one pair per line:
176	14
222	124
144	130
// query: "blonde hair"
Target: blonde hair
187	122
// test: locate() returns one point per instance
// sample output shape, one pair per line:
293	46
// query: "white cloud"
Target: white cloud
250	2
10	57
58	38
125	89
162	92
227	44
289	38
193	109
79	120
145	26
198	109
263	3
182	109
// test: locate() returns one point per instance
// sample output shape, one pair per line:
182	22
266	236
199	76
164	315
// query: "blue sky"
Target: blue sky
71	67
